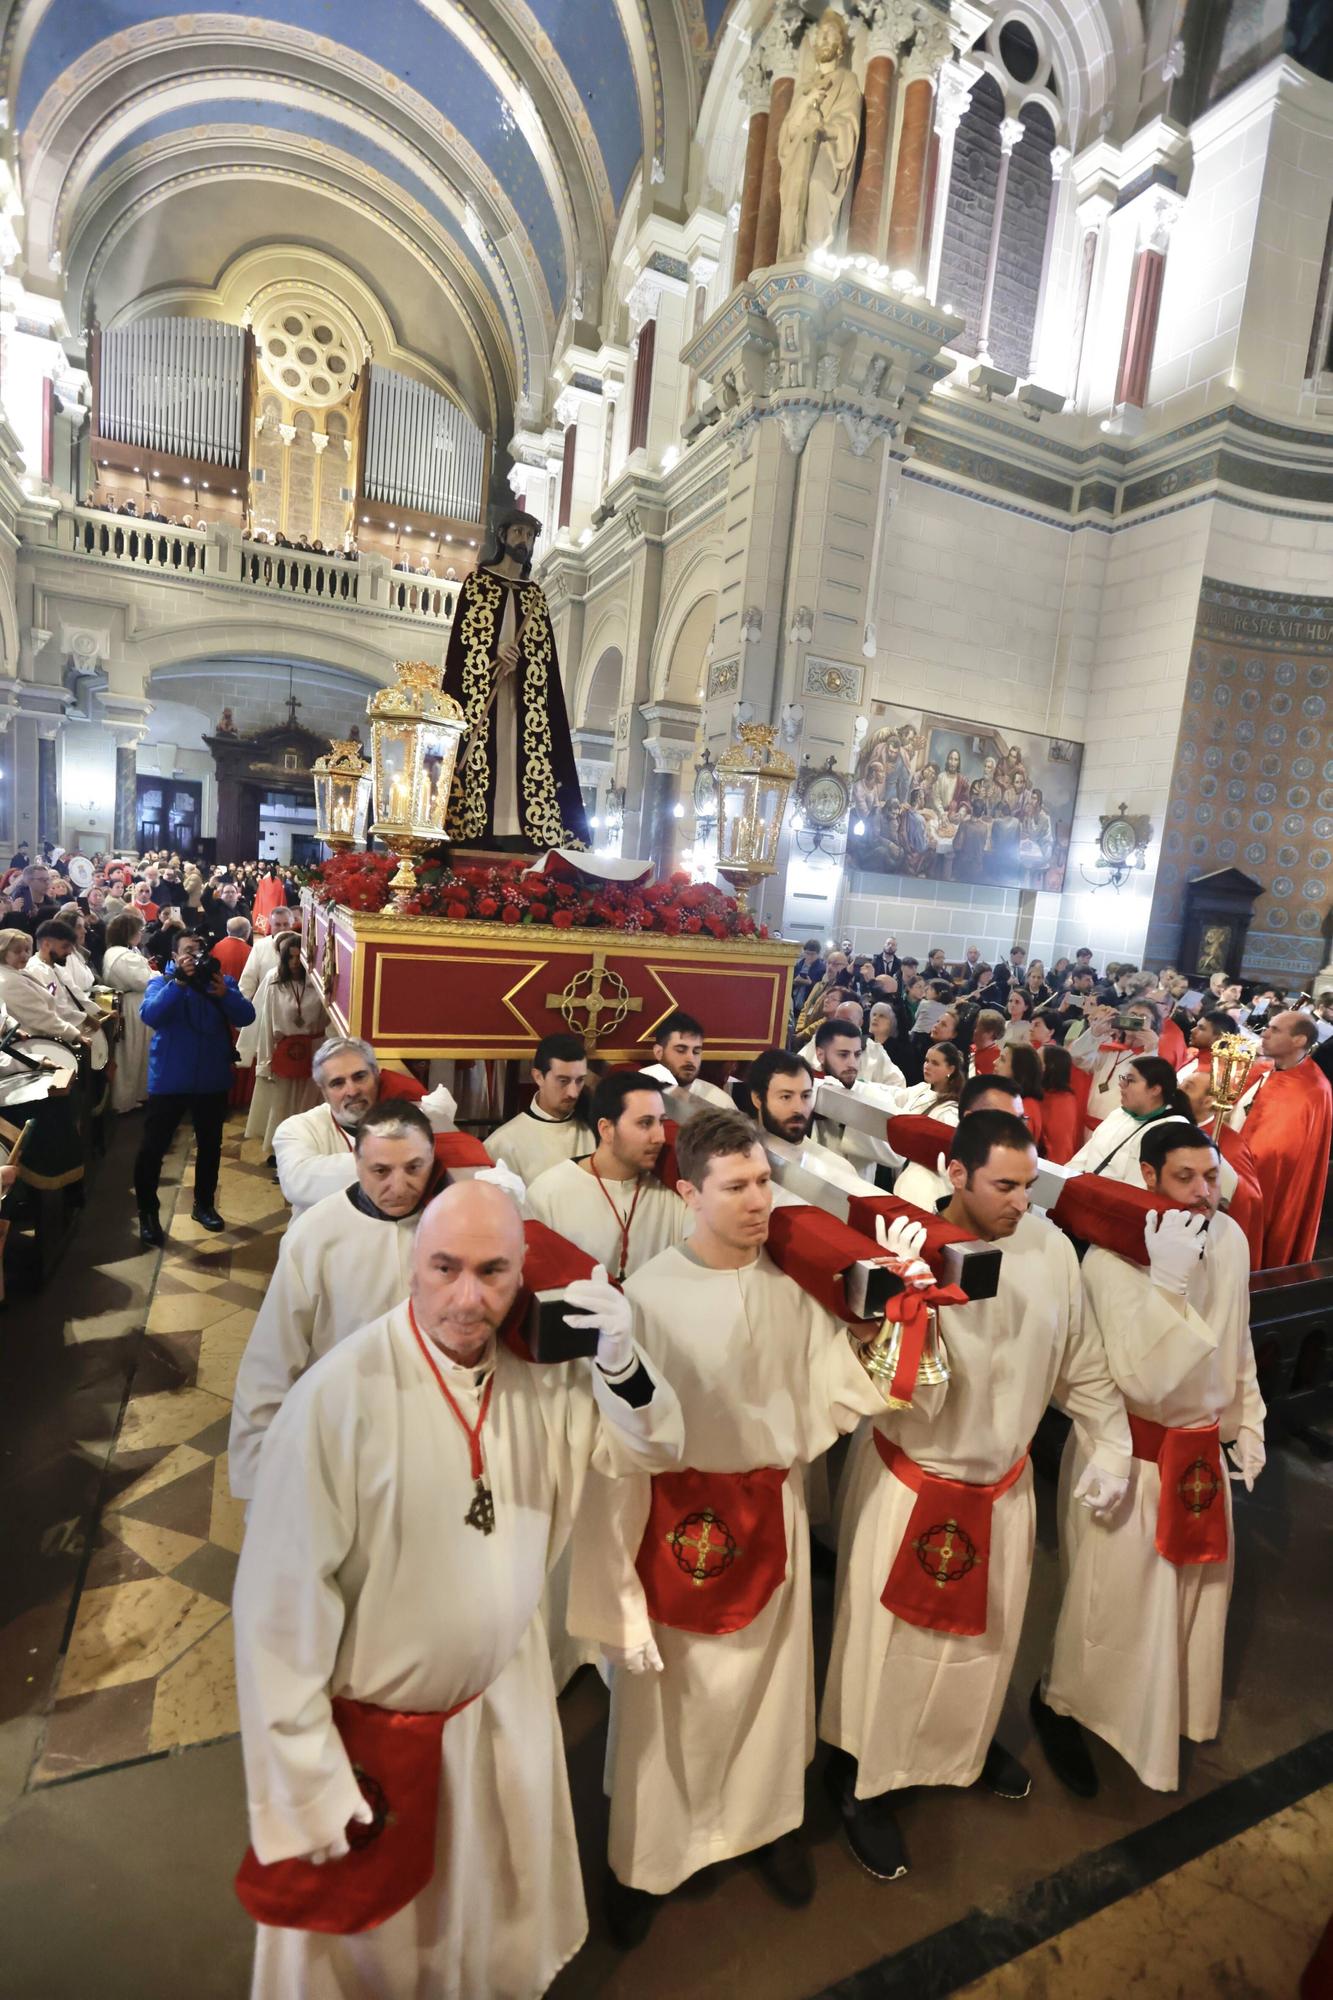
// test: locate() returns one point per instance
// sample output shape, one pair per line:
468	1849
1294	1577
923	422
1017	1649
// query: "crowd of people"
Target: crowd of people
578	1394
454	1502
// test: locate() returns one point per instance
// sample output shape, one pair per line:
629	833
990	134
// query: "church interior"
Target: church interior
837	501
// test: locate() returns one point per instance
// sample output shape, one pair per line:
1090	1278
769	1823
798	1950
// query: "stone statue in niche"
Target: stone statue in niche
817	143
226	723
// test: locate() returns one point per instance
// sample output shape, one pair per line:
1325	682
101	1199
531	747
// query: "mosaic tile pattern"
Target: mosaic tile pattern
149	1662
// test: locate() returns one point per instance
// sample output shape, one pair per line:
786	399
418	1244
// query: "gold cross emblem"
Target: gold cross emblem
595	993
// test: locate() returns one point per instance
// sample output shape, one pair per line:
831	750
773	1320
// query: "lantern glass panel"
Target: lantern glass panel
734	822
439	749
396	744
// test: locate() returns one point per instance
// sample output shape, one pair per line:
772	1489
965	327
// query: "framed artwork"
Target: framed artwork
955	801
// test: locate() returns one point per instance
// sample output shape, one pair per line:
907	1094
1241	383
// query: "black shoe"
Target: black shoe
150	1228
1065	1748
629	1912
786	1867
207	1216
1003	1774
869	1824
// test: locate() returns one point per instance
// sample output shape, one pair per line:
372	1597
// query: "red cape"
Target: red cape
1172	1045
1288	1133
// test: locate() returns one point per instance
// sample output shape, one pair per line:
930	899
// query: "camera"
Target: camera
204	973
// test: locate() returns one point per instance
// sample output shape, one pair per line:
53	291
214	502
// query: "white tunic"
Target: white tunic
915	1706
1138	1649
33	1005
315	1155
263	959
129	972
359	1577
569	1200
708	1758
1114	1148
295	1008
1106	1067
337	1270
534	1141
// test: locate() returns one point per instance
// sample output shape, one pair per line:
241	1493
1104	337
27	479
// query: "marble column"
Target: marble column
48	791
1145	301
868	199
756	144
770	195
670	744
909	186
126	830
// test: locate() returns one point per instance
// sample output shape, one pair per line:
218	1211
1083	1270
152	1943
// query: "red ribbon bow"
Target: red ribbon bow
909	1310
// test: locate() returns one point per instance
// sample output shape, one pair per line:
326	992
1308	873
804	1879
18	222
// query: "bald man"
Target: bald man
412	1492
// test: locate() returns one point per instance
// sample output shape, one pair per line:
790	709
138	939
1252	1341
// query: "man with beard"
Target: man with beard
341	1264
1286	1118
314	1149
1138	1649
612	1204
781	1088
937	1513
678	1054
515	783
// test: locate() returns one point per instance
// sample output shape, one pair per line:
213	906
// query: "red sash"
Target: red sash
1192	1509
714	1549
395	1756
940	1573
292	1057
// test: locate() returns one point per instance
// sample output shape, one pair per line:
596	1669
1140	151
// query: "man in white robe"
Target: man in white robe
263	959
1138	1648
712	1700
554	1126
412	1493
612	1204
781	1089
914	1694
342	1263
678	1054
838	1051
876	1064
314	1148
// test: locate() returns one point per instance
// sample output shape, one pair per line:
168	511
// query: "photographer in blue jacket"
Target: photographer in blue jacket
192	1008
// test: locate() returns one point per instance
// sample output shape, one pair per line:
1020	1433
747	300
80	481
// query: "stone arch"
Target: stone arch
610	634
601	699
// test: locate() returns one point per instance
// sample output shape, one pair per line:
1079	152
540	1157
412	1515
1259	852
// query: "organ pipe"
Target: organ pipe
421	450
174	385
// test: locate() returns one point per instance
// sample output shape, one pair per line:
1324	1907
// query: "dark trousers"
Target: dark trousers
208	1111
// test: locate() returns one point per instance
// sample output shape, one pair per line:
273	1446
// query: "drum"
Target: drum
22	1085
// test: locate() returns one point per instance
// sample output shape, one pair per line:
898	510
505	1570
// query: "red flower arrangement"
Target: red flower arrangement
513	895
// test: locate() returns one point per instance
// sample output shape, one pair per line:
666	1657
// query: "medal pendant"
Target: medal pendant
481	1514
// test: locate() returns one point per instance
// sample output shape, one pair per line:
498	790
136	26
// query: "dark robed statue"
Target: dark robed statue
515	782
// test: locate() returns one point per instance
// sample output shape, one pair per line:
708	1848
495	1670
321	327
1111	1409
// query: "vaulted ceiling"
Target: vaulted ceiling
463	162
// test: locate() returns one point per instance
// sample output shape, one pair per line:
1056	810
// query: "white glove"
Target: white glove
1248	1457
942	1167
1175	1242
1100	1491
596	1302
336	1849
441	1108
901	1243
642	1659
502	1175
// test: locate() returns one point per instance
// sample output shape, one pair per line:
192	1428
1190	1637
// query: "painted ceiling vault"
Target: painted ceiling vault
463	161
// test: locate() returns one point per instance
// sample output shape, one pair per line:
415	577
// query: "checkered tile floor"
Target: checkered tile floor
149	1666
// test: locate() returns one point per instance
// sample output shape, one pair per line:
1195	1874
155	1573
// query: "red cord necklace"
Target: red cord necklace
481	1514
622	1221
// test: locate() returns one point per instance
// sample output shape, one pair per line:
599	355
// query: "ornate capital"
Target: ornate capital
1011	133
1060	158
929	52
756	83
1160	214
645	297
953	94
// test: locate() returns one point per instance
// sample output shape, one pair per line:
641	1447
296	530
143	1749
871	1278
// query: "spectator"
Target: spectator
127	972
233	951
31	1004
809	971
191	1009
31	898
291	1017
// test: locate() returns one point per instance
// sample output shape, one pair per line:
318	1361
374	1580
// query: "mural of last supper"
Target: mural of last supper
962	801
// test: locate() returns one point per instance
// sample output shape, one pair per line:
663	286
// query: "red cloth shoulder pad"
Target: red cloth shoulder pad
457	1150
396	1083
1109	1213
920	1139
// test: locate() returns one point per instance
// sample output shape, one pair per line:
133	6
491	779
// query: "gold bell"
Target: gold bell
879	1357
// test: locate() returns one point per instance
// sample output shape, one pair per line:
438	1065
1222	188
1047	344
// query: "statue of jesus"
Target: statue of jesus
817	142
515	783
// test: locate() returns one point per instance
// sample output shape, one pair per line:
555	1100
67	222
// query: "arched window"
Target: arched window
998	213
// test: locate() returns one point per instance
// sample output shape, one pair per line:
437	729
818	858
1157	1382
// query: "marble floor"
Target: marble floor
121	1795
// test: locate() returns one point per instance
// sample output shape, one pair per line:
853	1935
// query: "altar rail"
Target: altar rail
302	575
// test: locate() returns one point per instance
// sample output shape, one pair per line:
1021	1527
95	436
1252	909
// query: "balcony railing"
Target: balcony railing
147	544
296	574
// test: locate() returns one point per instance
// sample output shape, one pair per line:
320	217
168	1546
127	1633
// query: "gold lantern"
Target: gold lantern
342	795
1231	1059
752	781
415	735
